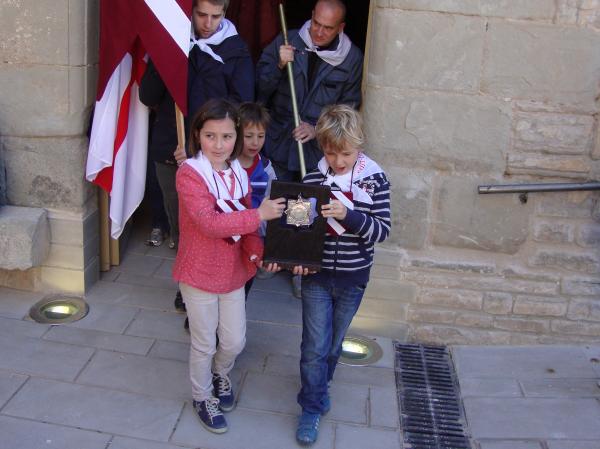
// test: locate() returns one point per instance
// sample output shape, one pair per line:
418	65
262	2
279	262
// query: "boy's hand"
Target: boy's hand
270	209
180	155
300	270
271	268
335	209
286	54
304	132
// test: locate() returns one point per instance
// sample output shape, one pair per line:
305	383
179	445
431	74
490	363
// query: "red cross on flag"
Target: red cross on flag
119	141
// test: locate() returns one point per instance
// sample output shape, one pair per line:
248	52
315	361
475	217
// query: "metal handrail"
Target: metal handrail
547	187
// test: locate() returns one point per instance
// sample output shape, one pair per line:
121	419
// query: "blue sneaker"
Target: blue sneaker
210	415
326	405
308	428
224	392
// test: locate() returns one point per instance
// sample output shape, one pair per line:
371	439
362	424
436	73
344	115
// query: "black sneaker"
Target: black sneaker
186	324
224	392
210	415
178	303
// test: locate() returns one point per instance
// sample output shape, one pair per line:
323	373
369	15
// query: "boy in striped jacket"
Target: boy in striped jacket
358	216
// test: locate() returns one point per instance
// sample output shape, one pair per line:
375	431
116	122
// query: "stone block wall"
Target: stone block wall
472	92
49	55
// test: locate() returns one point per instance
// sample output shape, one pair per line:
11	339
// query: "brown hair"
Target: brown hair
224	3
253	114
340	125
215	109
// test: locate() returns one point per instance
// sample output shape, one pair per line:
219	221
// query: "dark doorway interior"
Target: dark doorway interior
258	20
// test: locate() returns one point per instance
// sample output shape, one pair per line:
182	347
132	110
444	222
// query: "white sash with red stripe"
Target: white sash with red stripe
334	227
228	206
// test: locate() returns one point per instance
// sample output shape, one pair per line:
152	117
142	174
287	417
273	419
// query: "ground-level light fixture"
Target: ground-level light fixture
58	310
360	351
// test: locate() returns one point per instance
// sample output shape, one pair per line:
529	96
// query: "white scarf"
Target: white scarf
226	29
363	168
333	57
216	186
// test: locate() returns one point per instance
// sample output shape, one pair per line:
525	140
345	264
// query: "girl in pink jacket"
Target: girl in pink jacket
219	250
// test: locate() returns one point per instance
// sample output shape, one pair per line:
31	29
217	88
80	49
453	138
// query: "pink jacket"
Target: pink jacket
206	258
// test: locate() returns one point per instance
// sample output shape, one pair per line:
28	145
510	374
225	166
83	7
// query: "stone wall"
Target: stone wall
471	92
49	53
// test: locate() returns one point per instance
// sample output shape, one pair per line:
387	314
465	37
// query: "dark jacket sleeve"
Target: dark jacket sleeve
241	84
152	87
351	94
268	74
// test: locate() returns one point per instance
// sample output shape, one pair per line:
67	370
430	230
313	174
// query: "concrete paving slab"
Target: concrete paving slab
165	269
22	328
274	307
350	437
95	408
525	418
109	276
25	434
489	387
592	352
269	338
132	295
138	374
571	444
170	350
147	281
283	365
561	388
247	429
280	283
250	361
130	443
106	318
383	408
108	292
510	444
522	362
16	303
138	264
159	325
100	340
162	251
9	384
36	357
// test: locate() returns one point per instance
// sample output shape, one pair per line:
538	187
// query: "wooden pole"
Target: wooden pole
180	127
104	230
292	92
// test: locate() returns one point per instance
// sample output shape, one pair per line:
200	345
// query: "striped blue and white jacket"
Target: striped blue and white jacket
347	258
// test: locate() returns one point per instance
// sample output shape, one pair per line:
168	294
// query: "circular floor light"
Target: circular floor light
360	351
58	310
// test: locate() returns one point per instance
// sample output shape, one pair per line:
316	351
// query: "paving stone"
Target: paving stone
147	281
132	295
16	303
510	444
280	283
364	375
521	362
268	338
560	388
42	358
593	355
139	264
9	383
25	434
527	418
170	350
106	318
250	361
160	325
22	328
278	394
165	270
158	251
137	374
350	437
274	307
95	409
101	340
489	387
283	365
247	429
130	443
572	444
384	407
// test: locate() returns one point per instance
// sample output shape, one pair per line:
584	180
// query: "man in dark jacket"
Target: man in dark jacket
327	70
219	66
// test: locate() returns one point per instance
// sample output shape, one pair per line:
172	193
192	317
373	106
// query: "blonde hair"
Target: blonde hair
340	126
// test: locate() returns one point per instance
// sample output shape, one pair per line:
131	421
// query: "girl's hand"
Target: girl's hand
270	209
299	269
271	268
335	209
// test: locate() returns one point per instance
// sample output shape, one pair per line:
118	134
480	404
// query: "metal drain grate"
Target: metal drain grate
430	407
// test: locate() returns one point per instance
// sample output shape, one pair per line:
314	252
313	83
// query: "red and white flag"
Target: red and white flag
119	141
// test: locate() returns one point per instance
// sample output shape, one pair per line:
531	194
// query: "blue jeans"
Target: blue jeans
327	312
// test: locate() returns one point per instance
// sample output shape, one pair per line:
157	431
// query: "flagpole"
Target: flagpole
180	127
292	92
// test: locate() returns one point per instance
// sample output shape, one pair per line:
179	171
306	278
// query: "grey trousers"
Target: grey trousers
165	174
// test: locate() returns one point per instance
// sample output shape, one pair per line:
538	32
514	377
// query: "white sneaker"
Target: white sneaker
155	238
